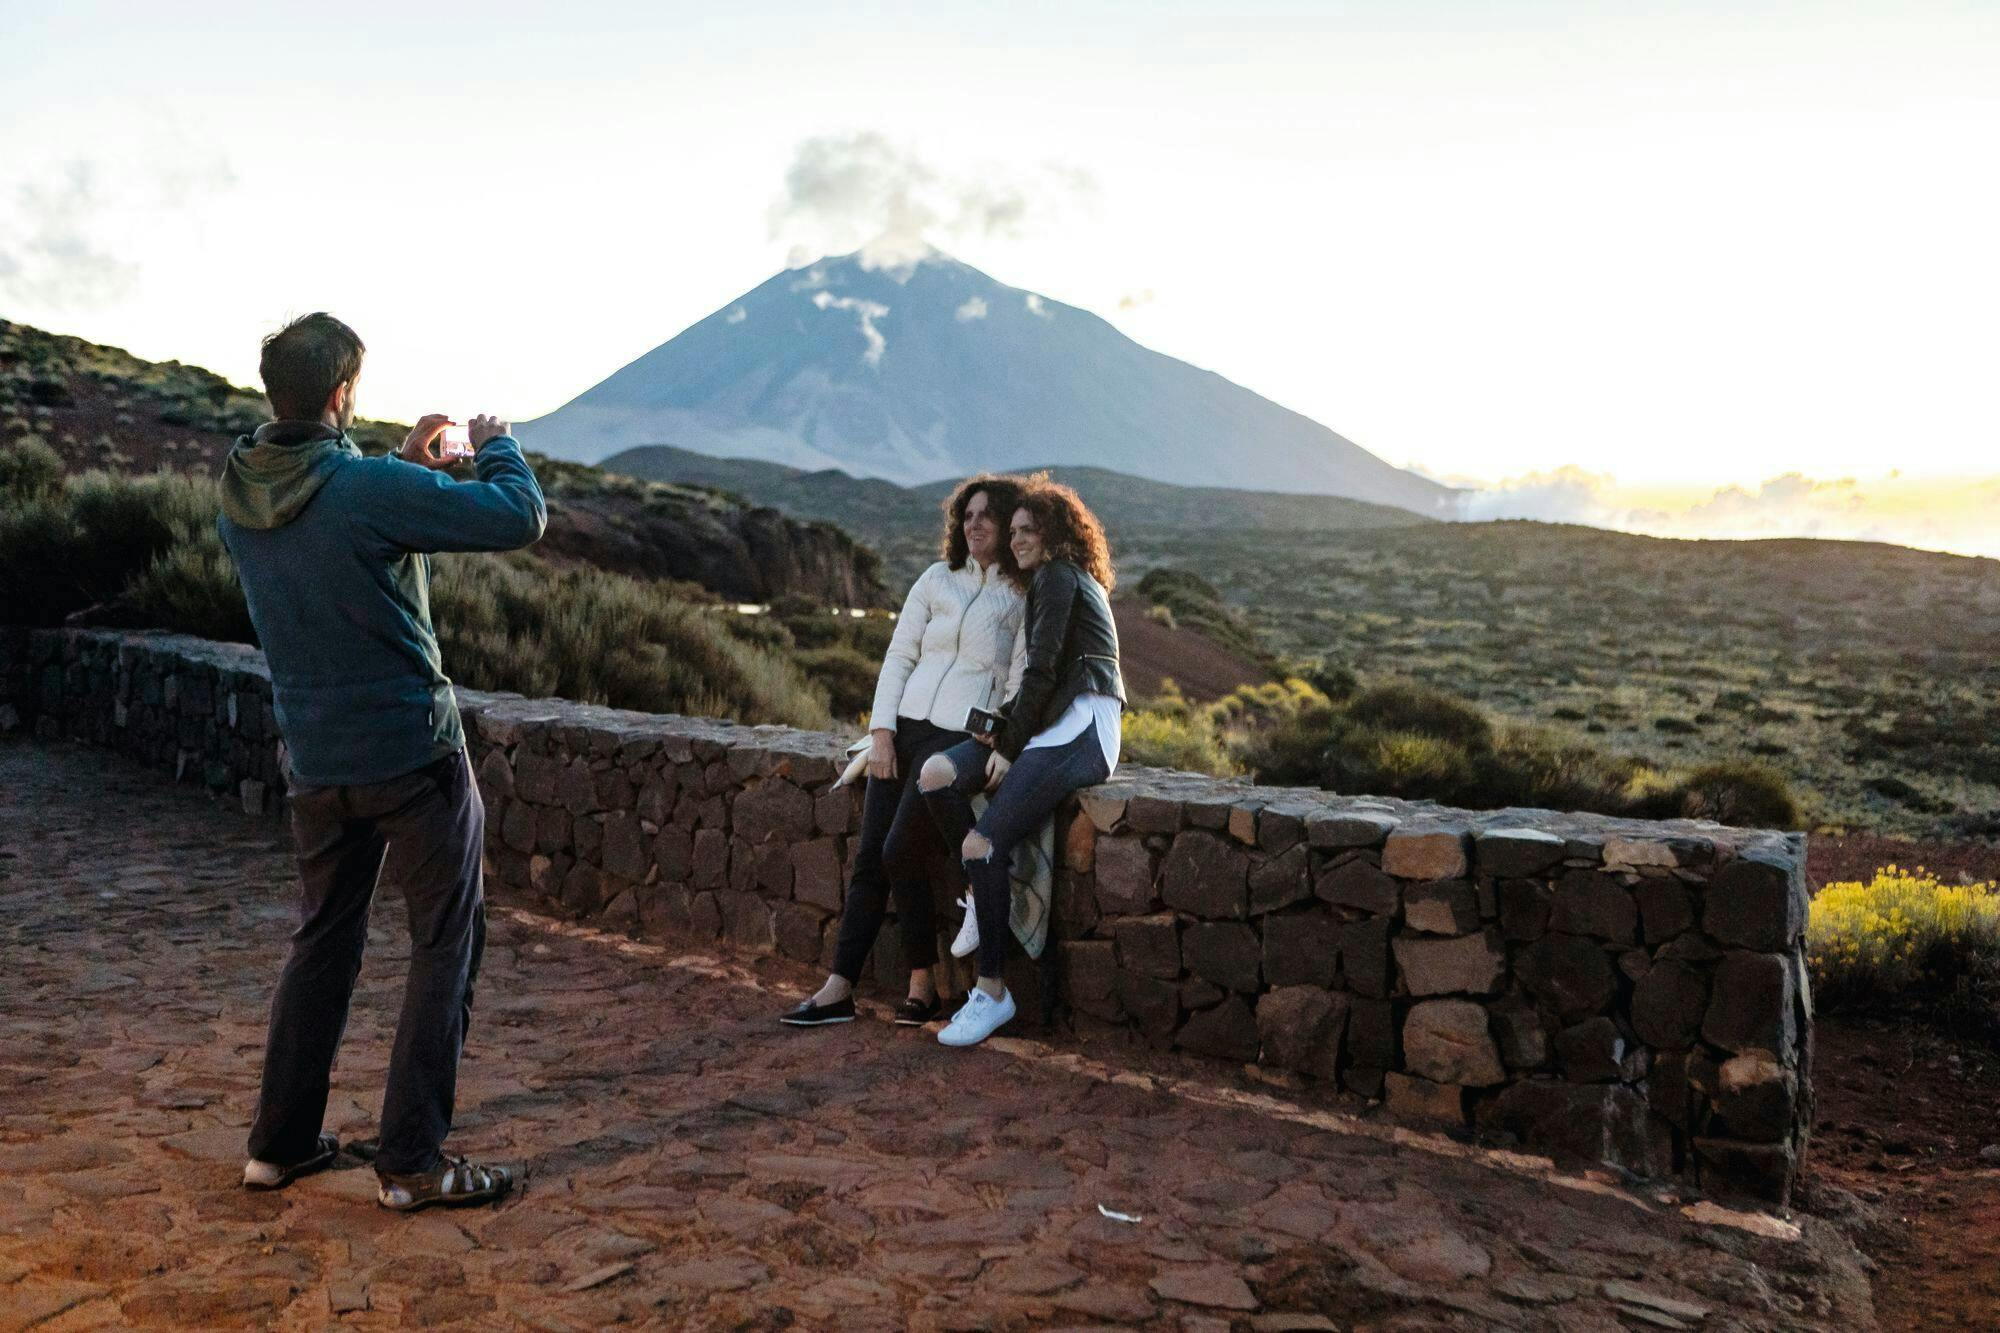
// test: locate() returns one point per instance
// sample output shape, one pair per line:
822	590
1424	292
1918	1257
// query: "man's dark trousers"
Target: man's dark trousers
426	829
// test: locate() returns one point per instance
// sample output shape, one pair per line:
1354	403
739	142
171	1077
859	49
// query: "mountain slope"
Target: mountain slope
936	370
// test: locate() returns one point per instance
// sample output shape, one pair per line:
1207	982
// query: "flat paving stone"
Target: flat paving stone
687	1162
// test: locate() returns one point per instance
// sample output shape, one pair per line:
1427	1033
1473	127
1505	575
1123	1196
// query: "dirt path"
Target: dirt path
690	1164
1904	1116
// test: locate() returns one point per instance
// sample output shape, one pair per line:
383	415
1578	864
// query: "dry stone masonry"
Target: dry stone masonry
1606	991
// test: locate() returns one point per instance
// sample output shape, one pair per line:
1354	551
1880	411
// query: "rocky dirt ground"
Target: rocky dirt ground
690	1164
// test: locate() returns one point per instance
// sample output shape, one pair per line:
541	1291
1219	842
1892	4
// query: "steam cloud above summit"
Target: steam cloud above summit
860	191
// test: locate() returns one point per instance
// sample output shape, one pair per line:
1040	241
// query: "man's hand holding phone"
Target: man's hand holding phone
484	428
423	445
437	442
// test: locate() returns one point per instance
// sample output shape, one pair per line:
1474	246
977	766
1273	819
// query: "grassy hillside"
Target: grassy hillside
1868	674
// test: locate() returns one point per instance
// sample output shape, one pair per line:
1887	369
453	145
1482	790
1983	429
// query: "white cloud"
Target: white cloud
974	308
1567	495
860	191
1036	306
1133	300
866	312
57	226
50	253
736	316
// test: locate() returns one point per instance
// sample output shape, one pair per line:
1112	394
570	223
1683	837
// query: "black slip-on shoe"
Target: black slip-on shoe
810	1015
914	1013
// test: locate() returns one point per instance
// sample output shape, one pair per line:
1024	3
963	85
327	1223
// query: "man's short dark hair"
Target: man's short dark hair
305	361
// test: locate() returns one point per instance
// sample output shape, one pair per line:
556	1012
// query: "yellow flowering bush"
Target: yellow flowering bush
1904	934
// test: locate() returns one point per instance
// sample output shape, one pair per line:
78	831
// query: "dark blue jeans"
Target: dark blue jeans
1030	793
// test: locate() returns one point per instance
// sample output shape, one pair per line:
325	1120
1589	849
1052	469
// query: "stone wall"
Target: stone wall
1603	990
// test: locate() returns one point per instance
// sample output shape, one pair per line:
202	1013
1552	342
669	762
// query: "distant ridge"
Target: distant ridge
883	512
935	370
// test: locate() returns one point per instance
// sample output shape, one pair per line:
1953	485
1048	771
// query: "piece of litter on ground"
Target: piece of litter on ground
1119	1217
598	1277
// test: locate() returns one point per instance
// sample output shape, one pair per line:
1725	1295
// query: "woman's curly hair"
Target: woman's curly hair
1069	530
1003	497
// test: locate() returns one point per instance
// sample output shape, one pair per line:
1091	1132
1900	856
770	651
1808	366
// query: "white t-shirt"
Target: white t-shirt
1084	710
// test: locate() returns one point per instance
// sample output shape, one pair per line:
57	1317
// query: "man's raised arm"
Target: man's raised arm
422	509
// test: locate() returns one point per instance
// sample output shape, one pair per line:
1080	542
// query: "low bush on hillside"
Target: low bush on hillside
29	468
1905	942
1169	731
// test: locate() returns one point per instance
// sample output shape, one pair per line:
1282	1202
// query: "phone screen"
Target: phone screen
455	441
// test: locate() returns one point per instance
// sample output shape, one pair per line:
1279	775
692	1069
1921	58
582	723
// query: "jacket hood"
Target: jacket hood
273	474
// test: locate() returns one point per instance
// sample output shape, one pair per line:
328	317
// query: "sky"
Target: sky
1721	269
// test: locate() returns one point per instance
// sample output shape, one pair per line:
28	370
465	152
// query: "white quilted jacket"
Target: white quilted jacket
960	643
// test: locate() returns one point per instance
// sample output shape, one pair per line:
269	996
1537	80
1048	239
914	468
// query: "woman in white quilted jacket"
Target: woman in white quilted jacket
958	645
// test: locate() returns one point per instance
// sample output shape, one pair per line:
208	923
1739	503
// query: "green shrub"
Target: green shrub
192	587
1403	706
847	676
1737	791
1538	766
1256	706
1333	678
1171	738
28	468
1409	764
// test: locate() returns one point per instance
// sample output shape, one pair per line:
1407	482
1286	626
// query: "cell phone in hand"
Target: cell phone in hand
455	441
979	722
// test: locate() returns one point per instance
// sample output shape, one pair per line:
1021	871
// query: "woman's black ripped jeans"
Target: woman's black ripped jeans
899	845
1033	788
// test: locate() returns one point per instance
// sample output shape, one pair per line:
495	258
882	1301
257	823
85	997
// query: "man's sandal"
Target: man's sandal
274	1176
453	1182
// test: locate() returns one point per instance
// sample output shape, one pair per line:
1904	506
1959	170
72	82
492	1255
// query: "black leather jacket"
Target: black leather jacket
1072	650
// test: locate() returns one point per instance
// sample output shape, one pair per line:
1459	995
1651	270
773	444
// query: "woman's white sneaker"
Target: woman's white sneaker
978	1019
967	942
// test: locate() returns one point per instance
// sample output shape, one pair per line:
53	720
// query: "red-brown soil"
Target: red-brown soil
1857	856
1903	1116
1149	652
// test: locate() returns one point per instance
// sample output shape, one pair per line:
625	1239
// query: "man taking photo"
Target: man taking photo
333	551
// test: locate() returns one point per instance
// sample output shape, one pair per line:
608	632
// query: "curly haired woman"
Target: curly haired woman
1060	732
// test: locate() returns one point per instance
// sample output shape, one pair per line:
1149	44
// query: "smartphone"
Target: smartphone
455	442
979	722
